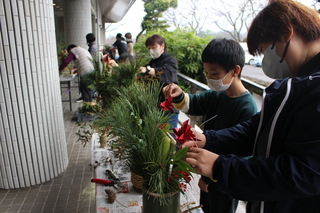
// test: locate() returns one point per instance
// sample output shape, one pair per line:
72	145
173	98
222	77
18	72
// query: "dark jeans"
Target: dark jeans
174	120
86	92
216	201
174	117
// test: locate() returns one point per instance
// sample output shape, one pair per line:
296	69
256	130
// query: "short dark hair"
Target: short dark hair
128	35
70	47
119	35
90	37
225	52
125	57
156	39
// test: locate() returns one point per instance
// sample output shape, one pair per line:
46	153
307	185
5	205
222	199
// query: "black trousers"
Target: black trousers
216	201
86	92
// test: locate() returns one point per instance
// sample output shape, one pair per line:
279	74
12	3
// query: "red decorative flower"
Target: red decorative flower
106	58
184	133
167	104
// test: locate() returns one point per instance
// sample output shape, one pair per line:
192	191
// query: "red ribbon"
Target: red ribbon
167	104
184	133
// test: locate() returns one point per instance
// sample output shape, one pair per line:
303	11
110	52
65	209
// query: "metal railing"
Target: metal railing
196	87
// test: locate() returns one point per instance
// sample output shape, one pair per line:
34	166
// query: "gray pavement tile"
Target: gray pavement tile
3	208
6	202
14	208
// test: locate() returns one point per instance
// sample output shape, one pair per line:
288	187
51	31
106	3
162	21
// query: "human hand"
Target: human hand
203	186
143	69
199	142
113	63
201	161
172	90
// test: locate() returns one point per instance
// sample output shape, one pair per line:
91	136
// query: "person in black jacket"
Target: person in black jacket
163	66
120	44
282	172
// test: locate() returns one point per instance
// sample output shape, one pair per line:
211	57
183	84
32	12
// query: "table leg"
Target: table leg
69	88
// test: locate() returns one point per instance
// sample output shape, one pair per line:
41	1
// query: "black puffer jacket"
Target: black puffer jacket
166	67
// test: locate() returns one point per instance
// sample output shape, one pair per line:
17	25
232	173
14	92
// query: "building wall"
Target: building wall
32	136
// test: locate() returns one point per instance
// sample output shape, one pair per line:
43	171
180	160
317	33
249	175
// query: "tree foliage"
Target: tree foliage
154	9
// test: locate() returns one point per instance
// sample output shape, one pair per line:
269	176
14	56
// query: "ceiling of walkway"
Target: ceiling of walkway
111	10
114	10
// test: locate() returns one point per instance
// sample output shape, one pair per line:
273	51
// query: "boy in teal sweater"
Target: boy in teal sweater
227	99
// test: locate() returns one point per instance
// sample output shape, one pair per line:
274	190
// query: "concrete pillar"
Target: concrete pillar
32	135
77	21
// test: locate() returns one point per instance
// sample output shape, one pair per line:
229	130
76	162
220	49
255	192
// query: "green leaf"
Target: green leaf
181	165
181	153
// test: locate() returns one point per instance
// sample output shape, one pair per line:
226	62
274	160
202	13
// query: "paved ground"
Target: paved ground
255	73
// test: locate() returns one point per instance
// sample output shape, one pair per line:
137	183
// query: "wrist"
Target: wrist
148	69
179	98
216	169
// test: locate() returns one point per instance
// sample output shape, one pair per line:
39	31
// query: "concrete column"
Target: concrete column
32	136
77	21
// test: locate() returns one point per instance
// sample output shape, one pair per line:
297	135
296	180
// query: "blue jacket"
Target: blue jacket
284	141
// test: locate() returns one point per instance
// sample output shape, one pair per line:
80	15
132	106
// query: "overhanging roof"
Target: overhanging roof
114	10
111	10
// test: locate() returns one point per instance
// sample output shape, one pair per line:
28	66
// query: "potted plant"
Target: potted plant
99	127
90	111
105	80
142	128
86	131
87	111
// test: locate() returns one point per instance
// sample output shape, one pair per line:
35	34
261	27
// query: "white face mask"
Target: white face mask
272	66
155	53
217	85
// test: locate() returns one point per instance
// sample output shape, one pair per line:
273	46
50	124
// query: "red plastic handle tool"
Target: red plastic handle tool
102	181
